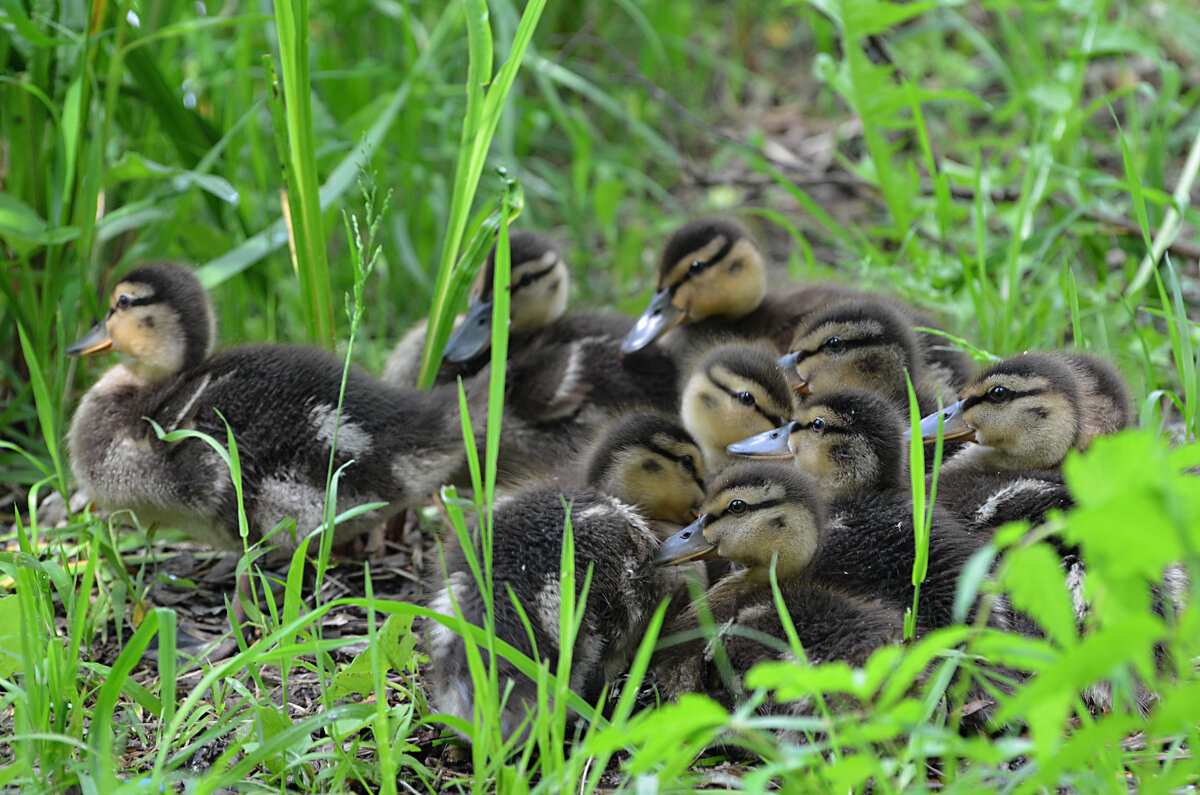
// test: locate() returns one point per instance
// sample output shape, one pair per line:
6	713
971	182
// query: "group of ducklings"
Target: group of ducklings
644	432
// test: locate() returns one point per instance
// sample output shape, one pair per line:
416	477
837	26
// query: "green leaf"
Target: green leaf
869	17
1045	701
398	641
15	16
18	219
134	166
791	681
10	635
1033	577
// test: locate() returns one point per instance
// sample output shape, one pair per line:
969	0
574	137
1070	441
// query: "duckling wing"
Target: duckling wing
574	363
987	500
868	549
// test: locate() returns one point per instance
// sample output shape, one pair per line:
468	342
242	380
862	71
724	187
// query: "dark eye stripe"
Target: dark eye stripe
1013	395
774	419
829	427
533	277
137	301
801	355
704	264
676	458
750	506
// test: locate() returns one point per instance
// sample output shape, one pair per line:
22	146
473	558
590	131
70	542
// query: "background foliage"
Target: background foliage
1025	168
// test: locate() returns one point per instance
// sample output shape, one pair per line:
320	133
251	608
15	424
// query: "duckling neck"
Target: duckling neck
982	458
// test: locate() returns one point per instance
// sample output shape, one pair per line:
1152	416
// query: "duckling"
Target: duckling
863	544
538	287
1029	411
848	440
280	402
711	277
761	515
651	463
1025	414
734	391
864	343
611	541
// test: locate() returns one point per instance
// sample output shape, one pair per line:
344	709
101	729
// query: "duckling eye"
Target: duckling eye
835	344
526	280
688	463
818	425
998	394
737	506
696	266
745	398
123	302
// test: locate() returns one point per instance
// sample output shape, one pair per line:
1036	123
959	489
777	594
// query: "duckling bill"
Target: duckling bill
538	287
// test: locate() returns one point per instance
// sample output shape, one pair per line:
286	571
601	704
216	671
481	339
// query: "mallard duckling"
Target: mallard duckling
610	539
645	480
711	277
539	285
650	462
761	515
1029	411
848	440
281	404
733	392
865	344
862	545
1025	414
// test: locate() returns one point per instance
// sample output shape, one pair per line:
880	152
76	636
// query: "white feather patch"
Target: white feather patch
187	407
352	439
985	512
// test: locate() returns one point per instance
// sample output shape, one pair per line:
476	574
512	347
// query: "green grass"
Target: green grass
1023	168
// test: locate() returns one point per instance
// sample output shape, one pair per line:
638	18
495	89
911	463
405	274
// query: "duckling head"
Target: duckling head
650	462
849	441
710	267
735	391
538	290
1025	408
756	513
161	317
862	344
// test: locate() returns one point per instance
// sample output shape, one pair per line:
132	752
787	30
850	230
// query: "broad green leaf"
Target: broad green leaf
869	17
18	219
1033	577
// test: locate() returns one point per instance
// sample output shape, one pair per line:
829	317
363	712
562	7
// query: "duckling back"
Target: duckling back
611	542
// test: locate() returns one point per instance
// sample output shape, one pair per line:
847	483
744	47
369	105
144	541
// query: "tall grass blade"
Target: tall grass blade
300	170
479	127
